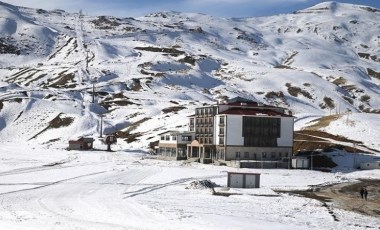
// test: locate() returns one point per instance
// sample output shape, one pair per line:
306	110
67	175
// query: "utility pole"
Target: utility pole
354	159
93	92
101	125
86	59
348	113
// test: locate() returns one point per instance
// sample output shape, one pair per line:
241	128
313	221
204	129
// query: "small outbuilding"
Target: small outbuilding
83	143
300	163
243	180
370	165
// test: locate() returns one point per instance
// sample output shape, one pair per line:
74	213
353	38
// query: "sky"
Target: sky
219	8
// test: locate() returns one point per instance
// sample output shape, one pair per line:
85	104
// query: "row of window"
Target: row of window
204	140
171	152
204	130
206	111
263	155
167	138
174	138
205	121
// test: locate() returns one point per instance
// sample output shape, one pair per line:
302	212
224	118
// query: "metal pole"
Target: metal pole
101	125
93	92
354	155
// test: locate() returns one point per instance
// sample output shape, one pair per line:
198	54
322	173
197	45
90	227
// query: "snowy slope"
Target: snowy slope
151	72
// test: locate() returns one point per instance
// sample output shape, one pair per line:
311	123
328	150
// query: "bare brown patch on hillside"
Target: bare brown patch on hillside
323	122
173	109
127	134
56	123
314	139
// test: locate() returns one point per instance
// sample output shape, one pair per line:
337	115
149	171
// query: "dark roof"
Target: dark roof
250	104
254	112
239	101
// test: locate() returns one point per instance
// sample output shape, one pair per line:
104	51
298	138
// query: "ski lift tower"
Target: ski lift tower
110	140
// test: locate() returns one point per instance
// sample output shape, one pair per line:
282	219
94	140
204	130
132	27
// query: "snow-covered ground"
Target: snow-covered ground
48	188
315	62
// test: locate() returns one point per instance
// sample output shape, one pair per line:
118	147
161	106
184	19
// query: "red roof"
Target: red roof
254	112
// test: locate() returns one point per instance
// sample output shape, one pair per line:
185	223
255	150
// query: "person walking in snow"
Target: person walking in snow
362	192
365	193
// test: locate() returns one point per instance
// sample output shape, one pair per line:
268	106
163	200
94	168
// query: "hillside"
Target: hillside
150	73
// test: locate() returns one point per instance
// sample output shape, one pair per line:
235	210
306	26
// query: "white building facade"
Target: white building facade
173	144
241	130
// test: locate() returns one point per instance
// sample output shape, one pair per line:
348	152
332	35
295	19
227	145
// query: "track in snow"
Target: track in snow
91	196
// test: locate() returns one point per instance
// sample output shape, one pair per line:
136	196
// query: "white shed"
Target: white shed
243	180
300	163
370	165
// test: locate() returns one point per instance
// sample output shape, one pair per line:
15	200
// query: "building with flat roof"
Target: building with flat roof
240	130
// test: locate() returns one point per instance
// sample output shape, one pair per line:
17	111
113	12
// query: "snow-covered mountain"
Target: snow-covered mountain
150	73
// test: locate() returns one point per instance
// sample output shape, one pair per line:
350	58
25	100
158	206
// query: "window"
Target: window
273	155
264	155
280	155
221	141
167	137
246	155
174	138
221	131
254	156
162	138
221	120
237	155
186	138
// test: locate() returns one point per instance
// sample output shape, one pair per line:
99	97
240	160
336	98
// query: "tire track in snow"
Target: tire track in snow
52	183
160	186
44	167
87	197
